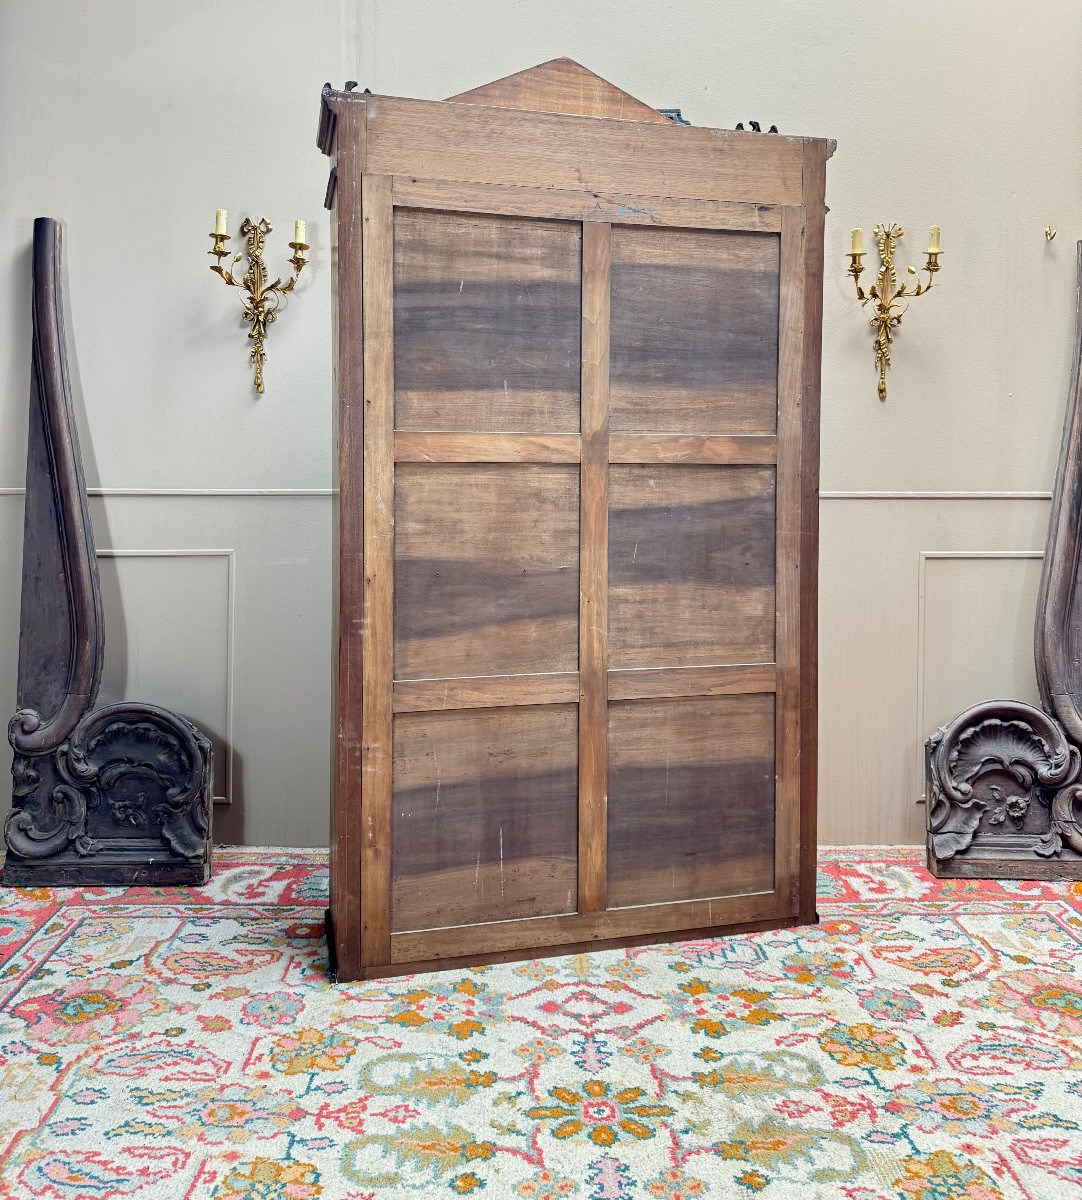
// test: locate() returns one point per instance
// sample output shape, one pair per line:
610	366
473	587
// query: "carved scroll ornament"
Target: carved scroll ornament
101	796
1004	797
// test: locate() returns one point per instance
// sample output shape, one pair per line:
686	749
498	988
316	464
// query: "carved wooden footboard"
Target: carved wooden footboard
1004	787
113	795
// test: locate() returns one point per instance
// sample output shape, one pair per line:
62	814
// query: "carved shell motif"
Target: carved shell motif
1004	737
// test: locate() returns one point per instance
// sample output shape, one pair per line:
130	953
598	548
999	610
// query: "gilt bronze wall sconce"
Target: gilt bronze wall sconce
260	298
890	299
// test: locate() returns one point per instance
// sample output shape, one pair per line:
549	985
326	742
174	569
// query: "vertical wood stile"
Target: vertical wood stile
378	283
594	567
348	527
816	154
787	573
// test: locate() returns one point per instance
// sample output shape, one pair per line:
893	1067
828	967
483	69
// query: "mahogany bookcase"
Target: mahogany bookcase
577	352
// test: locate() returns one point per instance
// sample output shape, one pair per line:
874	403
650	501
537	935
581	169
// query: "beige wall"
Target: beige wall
132	120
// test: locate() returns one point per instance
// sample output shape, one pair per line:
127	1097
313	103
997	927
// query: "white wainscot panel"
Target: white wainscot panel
169	639
976	614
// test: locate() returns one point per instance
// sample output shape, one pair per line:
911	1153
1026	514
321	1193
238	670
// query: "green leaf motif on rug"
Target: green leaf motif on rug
423	1147
774	1144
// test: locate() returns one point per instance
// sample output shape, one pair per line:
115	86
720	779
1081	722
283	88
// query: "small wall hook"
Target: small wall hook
1049	233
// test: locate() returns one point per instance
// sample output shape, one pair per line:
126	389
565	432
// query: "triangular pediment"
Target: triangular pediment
561	86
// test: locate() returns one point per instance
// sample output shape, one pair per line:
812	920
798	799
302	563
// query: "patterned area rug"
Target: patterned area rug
921	1043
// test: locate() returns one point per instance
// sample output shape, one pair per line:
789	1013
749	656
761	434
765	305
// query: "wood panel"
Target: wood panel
787	624
486	691
377	600
586	501
485	822
660	682
583	205
689	448
594	565
347	531
561	86
499	941
694	331
691	565
814	197
487	314
476	144
691	798
486	447
486	569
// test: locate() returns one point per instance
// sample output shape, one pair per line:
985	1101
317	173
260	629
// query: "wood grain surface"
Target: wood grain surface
486	447
485	819
561	86
814	197
594	566
787	626
590	417
691	798
694	331
691	565
377	599
486	569
478	144
347	548
487	316
582	205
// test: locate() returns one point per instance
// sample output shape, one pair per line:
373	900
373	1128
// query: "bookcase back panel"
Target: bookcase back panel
486	569
691	565
694	330
691	798
577	367
486	322
485	815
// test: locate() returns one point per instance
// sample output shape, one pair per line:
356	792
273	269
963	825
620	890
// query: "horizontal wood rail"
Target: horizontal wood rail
512	201
723	449
486	447
498	691
485	691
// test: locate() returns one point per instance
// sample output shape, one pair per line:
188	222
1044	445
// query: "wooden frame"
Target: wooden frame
462	515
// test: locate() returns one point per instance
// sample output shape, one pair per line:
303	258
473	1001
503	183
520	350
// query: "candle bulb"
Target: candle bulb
858	242
933	240
219	221
298	232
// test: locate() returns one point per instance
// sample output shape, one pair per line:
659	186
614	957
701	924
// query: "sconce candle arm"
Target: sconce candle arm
261	299
890	298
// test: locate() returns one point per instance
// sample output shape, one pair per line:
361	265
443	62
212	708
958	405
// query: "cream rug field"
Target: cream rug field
921	1043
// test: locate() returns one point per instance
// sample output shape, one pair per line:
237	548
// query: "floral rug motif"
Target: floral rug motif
921	1043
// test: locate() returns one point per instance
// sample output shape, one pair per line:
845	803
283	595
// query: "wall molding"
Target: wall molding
320	493
924	557
272	493
230	555
935	495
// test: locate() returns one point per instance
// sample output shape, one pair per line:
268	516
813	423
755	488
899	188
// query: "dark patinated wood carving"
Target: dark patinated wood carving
1004	795
101	796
